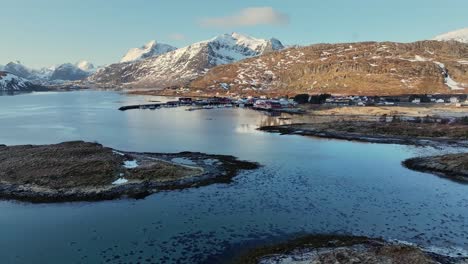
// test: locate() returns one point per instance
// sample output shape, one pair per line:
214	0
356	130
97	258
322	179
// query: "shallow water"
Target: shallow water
305	185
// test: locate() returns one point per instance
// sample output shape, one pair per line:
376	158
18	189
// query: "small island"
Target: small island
322	249
84	171
451	166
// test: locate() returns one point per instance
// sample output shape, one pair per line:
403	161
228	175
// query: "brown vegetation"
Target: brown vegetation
367	68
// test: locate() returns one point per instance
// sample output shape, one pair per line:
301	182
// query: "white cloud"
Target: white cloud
251	16
177	36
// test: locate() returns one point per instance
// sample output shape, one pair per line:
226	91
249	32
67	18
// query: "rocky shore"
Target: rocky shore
342	249
380	132
83	171
452	166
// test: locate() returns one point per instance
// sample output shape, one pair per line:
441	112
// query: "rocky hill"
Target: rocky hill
180	66
367	68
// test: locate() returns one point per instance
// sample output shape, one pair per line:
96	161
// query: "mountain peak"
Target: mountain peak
150	44
85	65
148	50
460	35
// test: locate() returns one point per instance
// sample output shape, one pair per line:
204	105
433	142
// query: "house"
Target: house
454	100
416	101
185	100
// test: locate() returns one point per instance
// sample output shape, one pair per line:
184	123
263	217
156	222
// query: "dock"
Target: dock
140	106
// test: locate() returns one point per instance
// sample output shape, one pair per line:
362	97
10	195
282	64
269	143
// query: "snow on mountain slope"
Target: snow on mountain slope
365	68
68	72
18	69
185	64
150	49
64	72
11	82
85	66
460	35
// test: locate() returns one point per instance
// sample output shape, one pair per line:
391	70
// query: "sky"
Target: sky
42	33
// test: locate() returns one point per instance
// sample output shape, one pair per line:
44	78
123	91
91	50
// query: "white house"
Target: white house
454	100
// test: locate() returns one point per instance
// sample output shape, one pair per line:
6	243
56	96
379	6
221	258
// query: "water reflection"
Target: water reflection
305	185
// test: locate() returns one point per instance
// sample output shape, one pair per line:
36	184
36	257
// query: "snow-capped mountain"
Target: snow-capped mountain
10	82
180	66
18	69
64	72
68	72
85	66
150	49
460	35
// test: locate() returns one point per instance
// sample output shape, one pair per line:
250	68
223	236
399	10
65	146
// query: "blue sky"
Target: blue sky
46	32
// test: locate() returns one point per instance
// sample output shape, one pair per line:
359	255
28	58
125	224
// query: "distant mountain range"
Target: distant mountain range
241	64
12	83
180	66
61	73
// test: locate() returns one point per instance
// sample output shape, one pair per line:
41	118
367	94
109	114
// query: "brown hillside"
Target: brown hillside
367	68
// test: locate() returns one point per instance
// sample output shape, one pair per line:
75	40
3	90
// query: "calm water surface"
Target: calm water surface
306	185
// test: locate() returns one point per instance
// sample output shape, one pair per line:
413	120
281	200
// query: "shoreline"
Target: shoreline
300	129
154	172
450	166
341	249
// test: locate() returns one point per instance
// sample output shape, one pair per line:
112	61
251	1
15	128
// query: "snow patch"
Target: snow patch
130	164
120	181
451	83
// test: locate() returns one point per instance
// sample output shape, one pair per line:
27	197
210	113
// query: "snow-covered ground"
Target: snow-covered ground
130	164
120	181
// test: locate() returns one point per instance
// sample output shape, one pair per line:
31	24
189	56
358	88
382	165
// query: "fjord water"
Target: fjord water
306	185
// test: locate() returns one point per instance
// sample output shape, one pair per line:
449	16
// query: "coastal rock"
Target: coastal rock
83	171
452	166
322	249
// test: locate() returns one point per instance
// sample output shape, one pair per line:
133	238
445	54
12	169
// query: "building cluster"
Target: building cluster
456	100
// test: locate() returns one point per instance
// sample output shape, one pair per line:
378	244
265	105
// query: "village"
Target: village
293	105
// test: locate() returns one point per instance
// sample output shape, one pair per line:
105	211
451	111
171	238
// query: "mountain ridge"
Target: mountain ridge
148	50
182	65
367	68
